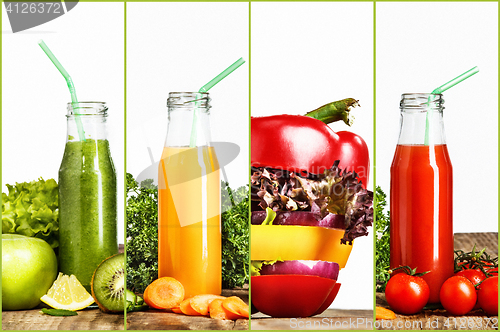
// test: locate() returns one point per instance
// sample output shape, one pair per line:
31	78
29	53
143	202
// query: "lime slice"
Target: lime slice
67	293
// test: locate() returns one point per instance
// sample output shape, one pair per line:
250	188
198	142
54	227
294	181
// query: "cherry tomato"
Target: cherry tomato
488	266
406	294
475	276
458	295
493	271
488	296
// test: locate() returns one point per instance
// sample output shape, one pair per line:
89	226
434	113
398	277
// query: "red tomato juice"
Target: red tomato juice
422	213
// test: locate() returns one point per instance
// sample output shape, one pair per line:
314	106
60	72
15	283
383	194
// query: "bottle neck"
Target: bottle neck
90	118
421	119
188	119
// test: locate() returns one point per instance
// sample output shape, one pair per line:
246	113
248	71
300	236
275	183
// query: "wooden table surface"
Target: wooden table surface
87	319
331	319
162	320
439	319
465	242
94	319
158	320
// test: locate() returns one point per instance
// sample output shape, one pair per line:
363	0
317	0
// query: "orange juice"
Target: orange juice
189	228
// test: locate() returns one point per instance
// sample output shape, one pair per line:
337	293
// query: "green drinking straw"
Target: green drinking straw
205	88
71	87
442	89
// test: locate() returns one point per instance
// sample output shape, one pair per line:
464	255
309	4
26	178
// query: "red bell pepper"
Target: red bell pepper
305	144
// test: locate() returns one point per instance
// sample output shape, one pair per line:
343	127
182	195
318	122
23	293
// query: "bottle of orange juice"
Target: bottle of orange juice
189	227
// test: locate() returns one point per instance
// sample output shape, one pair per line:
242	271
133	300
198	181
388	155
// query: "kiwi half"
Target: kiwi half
108	284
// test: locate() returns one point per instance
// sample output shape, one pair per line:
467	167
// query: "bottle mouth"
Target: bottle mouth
421	101
87	108
188	100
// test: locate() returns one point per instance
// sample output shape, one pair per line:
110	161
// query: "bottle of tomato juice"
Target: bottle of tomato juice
421	196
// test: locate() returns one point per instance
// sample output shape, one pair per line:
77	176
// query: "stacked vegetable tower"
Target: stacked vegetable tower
306	208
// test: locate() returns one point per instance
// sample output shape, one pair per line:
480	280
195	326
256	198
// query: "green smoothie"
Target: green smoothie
87	208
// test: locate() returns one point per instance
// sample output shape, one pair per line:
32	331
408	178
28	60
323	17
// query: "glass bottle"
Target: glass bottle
421	198
87	194
189	226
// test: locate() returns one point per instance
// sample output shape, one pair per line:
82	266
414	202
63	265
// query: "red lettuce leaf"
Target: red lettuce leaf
334	191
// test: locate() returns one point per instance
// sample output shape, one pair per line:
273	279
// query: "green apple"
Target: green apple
29	267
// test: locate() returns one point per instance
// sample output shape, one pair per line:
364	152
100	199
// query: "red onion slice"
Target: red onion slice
301	218
321	269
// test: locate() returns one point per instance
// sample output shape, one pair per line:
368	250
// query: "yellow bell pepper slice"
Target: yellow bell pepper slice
287	242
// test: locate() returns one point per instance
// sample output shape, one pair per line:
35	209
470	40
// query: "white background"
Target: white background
181	47
305	55
421	46
88	41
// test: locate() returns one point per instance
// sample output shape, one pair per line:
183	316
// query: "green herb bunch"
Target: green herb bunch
382	242
235	236
142	234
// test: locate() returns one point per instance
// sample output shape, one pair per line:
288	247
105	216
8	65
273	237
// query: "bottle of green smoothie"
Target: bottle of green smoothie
87	194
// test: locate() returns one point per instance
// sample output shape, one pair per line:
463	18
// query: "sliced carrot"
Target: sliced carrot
231	315
146	296
164	293
176	310
384	313
236	306
216	310
186	308
200	302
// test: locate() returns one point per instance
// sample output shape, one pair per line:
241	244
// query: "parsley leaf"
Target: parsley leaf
142	234
235	236
382	241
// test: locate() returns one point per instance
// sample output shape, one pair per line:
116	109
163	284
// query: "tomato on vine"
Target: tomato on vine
477	266
493	271
488	296
475	276
473	260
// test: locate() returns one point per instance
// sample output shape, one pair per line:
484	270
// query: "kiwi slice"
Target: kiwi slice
108	284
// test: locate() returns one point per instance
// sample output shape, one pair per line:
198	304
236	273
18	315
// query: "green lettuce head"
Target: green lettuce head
31	209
